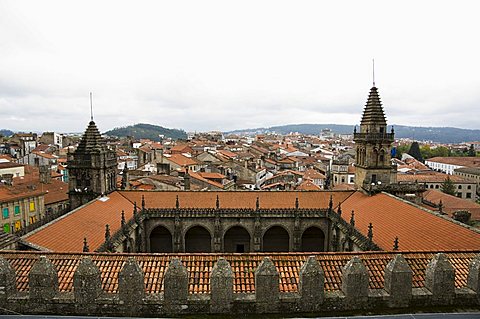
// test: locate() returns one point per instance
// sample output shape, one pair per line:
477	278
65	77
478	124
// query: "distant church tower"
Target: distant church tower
373	146
91	168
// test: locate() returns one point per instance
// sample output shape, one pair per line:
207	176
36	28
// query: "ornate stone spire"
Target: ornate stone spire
373	112
91	140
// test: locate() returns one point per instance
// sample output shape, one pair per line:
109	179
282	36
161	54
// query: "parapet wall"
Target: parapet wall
131	299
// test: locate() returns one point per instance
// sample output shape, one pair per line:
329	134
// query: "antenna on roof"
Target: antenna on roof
373	69
91	107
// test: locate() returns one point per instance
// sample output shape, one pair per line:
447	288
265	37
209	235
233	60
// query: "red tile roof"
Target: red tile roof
416	228
452	203
199	267
67	233
460	161
236	199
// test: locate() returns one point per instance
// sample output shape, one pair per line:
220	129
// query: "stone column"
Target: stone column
440	280
355	283
7	281
311	285
266	286
87	284
398	282
175	283
221	287
43	280
131	287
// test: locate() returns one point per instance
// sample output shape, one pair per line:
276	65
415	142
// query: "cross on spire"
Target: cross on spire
91	107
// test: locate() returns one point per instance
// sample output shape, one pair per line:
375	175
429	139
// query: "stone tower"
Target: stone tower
373	147
91	168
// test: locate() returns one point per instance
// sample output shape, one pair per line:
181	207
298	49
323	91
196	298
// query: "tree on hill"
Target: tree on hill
471	151
448	187
415	152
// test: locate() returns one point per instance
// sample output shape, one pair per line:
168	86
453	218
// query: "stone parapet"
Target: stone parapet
131	299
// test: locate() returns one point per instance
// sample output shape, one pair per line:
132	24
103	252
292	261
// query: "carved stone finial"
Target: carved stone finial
440	207
86	249
398	282
311	284
355	282
266	286
440	279
177	203
296	203
143	202
257	204
87	282
131	288
370	232
122	220
352	219
43	280
395	243
221	286
330	203
175	283
217	203
339	210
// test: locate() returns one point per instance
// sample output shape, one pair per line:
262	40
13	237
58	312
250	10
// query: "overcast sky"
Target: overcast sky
224	65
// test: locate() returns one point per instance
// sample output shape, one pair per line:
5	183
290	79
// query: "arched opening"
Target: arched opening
161	240
276	239
198	240
313	239
236	240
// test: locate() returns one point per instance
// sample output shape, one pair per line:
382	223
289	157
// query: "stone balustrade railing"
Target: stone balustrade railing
88	298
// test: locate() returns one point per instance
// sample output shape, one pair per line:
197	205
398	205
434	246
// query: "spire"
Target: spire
91	140
91	107
373	112
85	249
373	71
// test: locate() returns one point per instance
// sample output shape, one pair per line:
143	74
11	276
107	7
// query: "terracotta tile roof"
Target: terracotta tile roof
56	191
343	187
460	161
45	155
210	175
227	153
199	267
199	177
67	233
308	185
181	160
237	199
313	174
452	203
431	178
416	228
9	165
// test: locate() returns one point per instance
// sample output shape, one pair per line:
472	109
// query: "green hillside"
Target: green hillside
149	131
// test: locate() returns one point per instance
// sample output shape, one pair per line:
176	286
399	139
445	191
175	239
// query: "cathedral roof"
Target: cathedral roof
91	139
199	267
373	112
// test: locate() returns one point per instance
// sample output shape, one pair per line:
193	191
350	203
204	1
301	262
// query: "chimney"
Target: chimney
186	181
44	174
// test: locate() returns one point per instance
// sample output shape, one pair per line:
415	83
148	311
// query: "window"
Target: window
468	195
431	185
32	206
16	210
459	195
18	225
6	228
469	186
436	186
459	186
33	219
5	212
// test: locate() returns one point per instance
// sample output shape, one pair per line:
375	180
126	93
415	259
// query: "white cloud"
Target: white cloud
202	65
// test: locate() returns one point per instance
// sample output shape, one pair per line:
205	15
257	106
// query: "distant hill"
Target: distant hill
148	131
4	132
436	134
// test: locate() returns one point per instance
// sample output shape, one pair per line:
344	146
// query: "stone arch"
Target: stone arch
276	239
236	240
161	240
198	240
313	239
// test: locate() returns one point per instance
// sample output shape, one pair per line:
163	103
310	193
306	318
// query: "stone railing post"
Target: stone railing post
440	279
87	284
131	287
221	287
175	283
473	280
7	281
266	286
398	282
355	283
43	280
311	285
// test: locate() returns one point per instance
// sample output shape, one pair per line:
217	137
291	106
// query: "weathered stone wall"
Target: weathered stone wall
88	298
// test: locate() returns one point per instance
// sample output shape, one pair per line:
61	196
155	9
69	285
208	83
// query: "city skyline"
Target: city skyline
226	66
